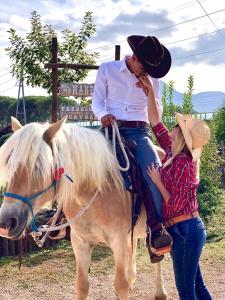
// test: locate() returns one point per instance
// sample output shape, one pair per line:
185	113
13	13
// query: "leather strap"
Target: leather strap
181	218
131	124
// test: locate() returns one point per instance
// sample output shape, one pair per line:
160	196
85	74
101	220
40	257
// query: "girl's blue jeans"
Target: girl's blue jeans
188	240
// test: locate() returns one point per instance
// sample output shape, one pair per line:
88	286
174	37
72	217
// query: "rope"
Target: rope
116	135
40	243
52	227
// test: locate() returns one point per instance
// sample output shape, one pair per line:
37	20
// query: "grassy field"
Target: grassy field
50	269
56	268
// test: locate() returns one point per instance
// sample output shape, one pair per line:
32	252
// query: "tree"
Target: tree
187	98
165	115
209	193
171	106
30	53
219	125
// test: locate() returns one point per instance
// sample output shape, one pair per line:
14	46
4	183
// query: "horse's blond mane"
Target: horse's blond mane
82	152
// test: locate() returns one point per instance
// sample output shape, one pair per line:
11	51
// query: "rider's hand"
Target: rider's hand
107	120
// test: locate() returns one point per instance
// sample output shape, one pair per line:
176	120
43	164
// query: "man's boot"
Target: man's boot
158	243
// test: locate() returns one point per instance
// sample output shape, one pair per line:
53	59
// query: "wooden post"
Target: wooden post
5	247
117	52
54	79
12	248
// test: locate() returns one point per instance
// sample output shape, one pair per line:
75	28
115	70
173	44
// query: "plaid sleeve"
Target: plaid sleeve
163	137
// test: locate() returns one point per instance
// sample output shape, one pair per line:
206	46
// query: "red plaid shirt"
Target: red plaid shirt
179	178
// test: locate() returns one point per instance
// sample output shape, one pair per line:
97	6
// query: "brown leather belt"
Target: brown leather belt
181	218
131	124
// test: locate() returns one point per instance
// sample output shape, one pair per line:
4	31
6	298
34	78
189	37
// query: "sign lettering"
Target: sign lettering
76	89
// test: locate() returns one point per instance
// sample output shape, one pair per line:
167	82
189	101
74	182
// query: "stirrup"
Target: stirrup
162	250
159	251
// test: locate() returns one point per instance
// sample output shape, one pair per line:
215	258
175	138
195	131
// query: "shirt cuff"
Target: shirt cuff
159	129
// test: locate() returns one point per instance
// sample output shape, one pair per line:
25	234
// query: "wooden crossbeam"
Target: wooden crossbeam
70	66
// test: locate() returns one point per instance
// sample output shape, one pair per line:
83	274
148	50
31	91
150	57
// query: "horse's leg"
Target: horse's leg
120	248
160	293
132	263
82	251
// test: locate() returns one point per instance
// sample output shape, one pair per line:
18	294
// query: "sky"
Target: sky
193	31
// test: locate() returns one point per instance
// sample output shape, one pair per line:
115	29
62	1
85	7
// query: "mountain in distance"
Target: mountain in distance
203	102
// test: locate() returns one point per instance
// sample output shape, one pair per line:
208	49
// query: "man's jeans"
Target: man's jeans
145	154
188	240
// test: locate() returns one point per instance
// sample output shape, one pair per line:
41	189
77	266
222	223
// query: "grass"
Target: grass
44	265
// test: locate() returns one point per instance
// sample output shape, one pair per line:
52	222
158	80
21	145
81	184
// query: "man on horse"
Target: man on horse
119	96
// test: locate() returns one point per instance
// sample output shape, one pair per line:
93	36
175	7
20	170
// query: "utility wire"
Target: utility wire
200	53
178	41
6	89
184	6
211	20
163	28
2	75
2	83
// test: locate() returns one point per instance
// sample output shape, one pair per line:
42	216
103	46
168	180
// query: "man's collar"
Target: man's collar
123	65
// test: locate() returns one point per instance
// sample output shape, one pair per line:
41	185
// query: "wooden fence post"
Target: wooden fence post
117	52
54	79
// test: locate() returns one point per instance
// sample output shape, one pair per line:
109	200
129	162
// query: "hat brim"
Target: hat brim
154	71
183	124
162	69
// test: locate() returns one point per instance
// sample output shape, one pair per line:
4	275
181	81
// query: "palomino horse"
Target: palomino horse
28	160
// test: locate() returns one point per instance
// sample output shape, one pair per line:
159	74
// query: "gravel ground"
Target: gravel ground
50	275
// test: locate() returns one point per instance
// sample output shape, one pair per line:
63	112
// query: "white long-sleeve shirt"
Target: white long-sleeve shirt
116	93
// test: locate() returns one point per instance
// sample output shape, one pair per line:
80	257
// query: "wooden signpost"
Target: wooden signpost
77	90
77	113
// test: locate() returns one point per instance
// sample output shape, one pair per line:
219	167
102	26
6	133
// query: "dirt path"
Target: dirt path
52	278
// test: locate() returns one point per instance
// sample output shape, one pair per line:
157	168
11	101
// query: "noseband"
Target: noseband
29	200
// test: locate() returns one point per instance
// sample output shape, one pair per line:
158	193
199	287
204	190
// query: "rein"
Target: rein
38	231
116	135
44	228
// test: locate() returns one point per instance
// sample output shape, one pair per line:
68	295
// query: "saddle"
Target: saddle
158	240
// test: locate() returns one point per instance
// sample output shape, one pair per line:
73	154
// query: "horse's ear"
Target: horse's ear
53	129
15	124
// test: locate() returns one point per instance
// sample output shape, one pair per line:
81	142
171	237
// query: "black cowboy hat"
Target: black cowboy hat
154	57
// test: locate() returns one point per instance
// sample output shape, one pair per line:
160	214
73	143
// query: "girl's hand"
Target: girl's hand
154	173
139	84
146	82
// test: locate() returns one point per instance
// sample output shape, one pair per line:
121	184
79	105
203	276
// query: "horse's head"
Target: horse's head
26	169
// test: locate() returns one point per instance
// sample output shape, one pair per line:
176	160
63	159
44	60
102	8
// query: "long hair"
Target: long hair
179	145
83	153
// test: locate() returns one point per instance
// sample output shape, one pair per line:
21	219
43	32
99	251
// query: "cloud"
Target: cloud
203	44
146	23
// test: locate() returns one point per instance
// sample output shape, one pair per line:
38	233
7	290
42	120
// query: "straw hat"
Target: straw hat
196	133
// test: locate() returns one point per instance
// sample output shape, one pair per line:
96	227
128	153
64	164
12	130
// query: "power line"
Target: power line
211	20
183	6
196	36
163	28
105	59
2	83
6	89
2	75
200	53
